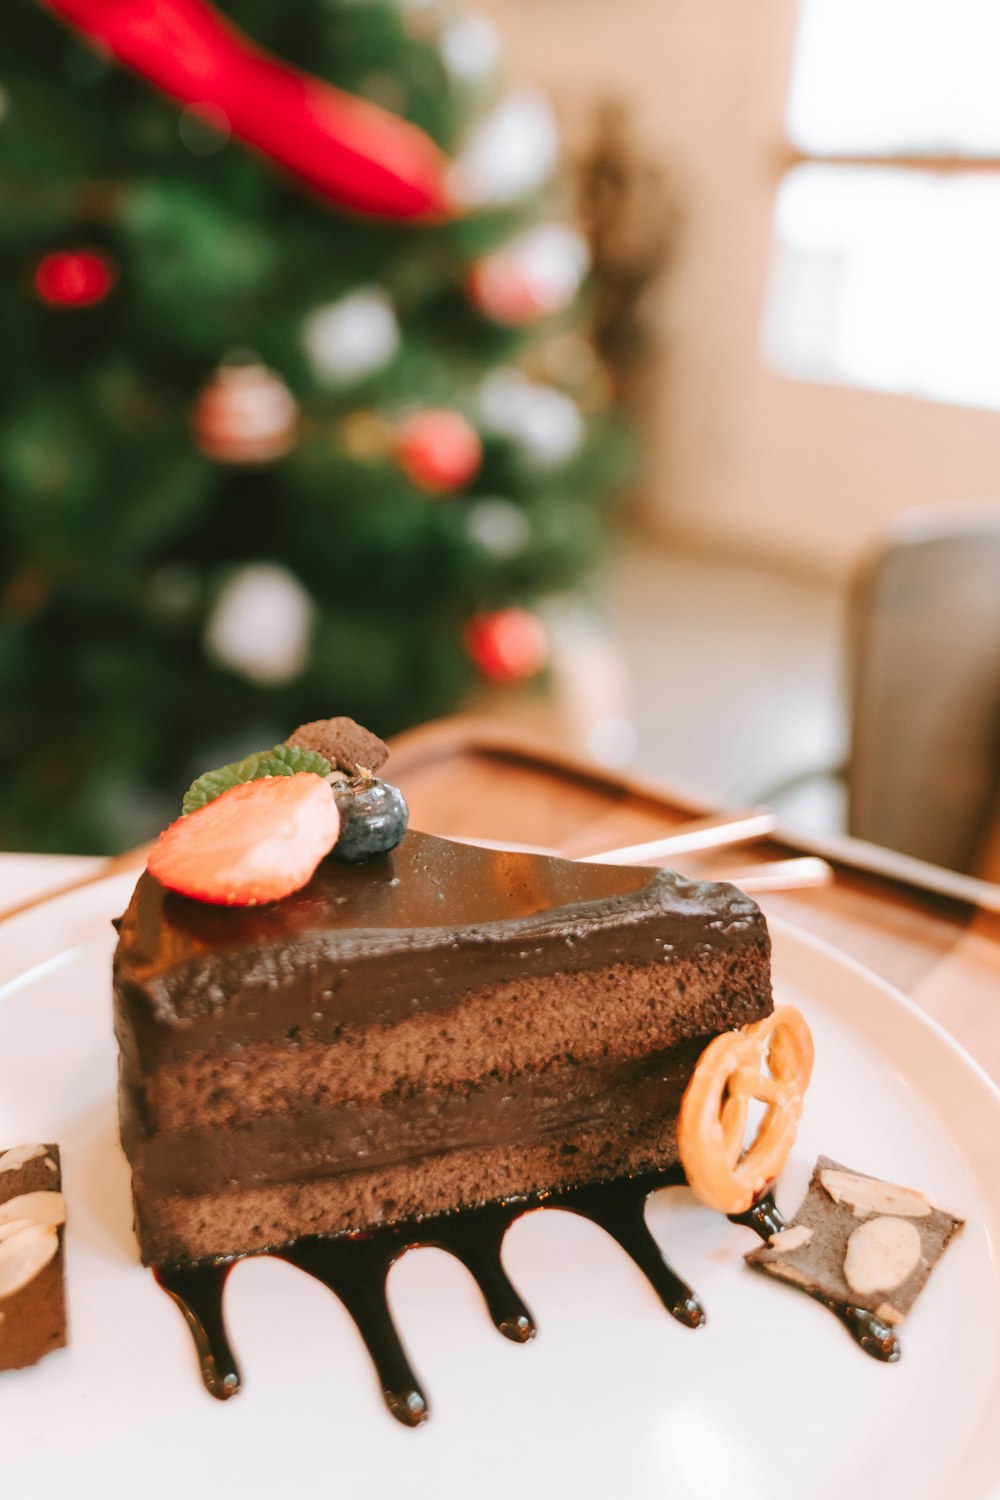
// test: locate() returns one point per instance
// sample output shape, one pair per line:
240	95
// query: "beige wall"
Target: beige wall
741	462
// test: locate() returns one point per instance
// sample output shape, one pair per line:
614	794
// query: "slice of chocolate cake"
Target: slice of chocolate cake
440	1026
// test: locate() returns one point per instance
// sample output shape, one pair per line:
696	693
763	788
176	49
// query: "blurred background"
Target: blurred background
642	391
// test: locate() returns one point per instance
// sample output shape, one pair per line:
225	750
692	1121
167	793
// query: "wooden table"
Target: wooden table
478	780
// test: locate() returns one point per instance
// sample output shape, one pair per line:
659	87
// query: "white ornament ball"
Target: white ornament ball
544	422
533	276
556	258
508	154
498	526
351	339
261	625
470	49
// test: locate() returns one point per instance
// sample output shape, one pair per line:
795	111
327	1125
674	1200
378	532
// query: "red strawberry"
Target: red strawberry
256	842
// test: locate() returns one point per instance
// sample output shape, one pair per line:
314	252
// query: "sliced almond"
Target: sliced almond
18	1155
24	1255
867	1195
881	1253
790	1239
44	1208
788	1273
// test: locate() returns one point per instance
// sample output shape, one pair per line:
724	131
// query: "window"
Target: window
884	270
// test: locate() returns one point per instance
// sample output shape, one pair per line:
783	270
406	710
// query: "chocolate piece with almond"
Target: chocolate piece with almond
859	1242
32	1224
347	746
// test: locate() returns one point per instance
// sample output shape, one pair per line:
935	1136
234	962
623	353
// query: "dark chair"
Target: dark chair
923	666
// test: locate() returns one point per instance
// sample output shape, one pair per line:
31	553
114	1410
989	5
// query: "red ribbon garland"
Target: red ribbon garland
349	151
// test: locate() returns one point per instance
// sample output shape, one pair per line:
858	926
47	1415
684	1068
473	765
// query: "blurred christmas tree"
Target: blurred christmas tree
299	429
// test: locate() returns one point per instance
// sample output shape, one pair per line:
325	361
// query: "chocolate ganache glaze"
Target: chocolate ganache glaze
407	931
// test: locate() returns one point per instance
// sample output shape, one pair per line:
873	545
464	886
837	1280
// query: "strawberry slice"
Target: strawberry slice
256	842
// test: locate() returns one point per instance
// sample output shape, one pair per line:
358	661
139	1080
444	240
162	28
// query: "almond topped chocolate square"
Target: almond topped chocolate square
857	1242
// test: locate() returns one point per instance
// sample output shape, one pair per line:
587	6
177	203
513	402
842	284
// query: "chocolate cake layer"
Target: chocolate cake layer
393	1026
496	1112
626	1011
192	1227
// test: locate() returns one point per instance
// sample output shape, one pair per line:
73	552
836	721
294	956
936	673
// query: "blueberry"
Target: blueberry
373	818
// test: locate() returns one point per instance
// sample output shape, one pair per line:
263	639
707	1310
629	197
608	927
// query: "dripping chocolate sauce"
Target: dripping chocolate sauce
355	1268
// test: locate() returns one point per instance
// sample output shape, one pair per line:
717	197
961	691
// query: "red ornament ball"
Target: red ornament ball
507	645
245	415
75	278
505	292
438	449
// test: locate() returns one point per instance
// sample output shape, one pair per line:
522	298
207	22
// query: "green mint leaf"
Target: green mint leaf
280	760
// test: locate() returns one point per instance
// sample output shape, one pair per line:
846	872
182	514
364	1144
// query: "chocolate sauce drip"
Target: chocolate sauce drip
869	1332
875	1337
763	1216
476	1239
197	1291
619	1210
355	1267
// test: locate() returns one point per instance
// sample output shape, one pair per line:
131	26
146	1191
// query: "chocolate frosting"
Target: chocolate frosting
407	932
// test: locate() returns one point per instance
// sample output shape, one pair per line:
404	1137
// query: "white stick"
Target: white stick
708	833
781	875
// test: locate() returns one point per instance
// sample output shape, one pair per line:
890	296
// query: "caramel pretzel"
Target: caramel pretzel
770	1060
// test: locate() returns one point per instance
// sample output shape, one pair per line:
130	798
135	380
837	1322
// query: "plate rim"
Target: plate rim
795	936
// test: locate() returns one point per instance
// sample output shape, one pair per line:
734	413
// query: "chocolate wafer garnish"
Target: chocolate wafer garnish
347	745
861	1246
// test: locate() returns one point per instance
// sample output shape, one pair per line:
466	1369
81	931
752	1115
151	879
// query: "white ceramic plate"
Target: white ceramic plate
770	1401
